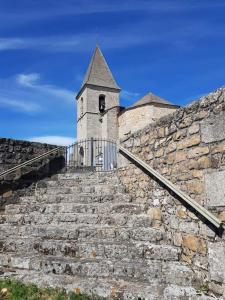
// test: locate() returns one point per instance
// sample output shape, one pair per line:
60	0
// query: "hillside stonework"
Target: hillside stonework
122	234
188	148
82	232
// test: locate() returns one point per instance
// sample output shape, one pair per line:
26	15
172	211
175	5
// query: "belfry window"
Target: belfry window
102	103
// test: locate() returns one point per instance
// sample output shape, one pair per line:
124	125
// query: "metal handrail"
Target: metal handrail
196	206
9	171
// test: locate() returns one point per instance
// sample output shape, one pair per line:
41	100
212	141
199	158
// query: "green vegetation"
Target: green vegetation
14	290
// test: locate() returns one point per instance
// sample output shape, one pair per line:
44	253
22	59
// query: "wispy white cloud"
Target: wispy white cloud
28	79
68	43
128	95
31	13
53	139
21	105
32	81
125	36
26	93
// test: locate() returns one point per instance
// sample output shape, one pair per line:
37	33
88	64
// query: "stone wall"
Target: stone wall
136	118
188	148
15	152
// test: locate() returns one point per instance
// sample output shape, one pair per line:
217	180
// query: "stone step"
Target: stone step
78	182
59	219
100	249
103	208
80	198
91	176
98	189
143	270
81	232
107	287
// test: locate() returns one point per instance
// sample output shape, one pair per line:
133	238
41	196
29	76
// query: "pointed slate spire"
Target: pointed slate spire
98	72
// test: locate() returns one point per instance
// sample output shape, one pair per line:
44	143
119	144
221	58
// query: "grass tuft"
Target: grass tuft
14	290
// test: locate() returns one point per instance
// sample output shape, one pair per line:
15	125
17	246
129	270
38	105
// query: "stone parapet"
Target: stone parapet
188	148
16	152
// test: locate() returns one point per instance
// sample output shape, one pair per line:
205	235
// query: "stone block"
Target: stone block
170	158
185	122
181	212
195	187
215	188
180	156
161	132
189	142
189	227
219	148
197	174
204	162
194	128
7	194
20	262
216	261
180	134
171	147
154	213
213	129
198	151
222	216
159	153
179	292
194	243
201	115
177	239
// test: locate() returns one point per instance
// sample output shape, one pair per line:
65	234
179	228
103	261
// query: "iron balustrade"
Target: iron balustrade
92	154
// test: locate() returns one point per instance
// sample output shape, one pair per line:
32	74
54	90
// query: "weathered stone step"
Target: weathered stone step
143	270
100	249
120	207
78	182
76	198
83	233
99	189
107	287
92	176
59	219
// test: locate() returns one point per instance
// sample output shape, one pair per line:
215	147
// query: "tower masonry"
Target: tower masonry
98	101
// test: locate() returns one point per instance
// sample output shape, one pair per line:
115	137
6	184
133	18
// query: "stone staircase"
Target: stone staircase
82	232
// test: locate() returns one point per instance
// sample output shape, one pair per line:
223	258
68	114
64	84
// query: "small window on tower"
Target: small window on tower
81	106
102	103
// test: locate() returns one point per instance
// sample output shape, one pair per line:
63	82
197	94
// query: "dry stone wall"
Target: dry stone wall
188	148
15	152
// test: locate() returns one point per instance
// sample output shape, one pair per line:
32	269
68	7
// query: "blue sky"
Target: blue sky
173	48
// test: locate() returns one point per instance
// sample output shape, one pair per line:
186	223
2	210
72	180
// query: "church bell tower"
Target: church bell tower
98	101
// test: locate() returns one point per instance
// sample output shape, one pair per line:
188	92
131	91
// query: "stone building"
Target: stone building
98	101
143	112
99	114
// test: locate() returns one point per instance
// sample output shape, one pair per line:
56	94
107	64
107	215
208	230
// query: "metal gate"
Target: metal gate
92	154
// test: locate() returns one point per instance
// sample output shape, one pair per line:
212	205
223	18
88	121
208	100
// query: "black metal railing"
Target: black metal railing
92	154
